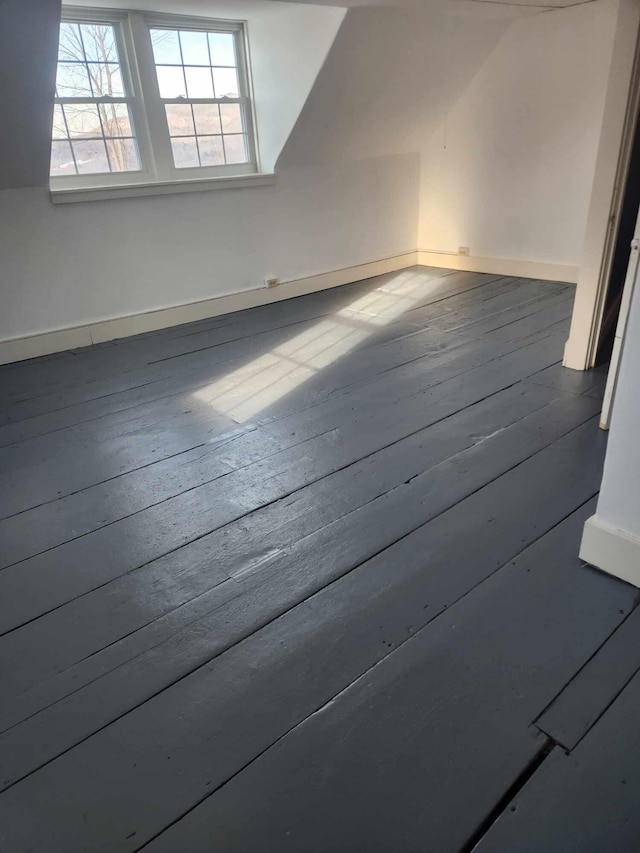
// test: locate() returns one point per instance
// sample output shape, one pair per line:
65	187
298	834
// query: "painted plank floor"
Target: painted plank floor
304	578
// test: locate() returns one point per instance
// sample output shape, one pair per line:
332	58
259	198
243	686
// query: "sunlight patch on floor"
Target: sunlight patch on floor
248	390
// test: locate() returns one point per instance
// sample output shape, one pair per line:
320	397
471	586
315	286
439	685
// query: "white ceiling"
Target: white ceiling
536	4
548	4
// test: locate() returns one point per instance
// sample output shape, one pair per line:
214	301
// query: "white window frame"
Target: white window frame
158	175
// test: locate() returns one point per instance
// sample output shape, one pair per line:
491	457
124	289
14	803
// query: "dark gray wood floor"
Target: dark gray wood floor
304	578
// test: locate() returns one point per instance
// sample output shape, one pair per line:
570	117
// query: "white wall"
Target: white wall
619	502
508	173
611	539
348	178
355	179
72	264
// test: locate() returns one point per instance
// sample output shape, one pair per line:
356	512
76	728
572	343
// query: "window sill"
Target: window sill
69	196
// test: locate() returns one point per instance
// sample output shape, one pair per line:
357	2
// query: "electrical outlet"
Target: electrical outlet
463	250
271	281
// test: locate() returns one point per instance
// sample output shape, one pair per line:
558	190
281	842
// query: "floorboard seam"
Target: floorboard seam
530	303
255	509
519	783
13	422
223	596
268	422
511	322
337	391
143	385
568	684
525	776
304	601
77	492
331	313
191	389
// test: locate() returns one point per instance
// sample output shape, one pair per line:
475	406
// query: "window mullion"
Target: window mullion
73	153
104	138
153	106
136	101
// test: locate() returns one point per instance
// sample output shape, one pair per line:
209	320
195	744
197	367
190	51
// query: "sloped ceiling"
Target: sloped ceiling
28	51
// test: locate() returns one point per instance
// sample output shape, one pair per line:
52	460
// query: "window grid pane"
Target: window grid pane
222	50
91	156
235	148
207	119
62	158
90	136
99	43
166	47
198	65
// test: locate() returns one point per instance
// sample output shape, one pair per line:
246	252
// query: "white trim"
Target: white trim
500	266
161	188
32	346
615	551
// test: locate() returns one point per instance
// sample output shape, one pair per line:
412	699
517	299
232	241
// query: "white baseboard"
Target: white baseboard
616	552
31	346
18	349
500	266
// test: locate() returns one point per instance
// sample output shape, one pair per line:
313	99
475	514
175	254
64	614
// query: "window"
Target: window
92	127
197	75
144	99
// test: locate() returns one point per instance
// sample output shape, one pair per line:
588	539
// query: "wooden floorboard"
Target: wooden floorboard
313	558
427	459
70	468
85	625
326	440
586	800
451	713
148	374
588	696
